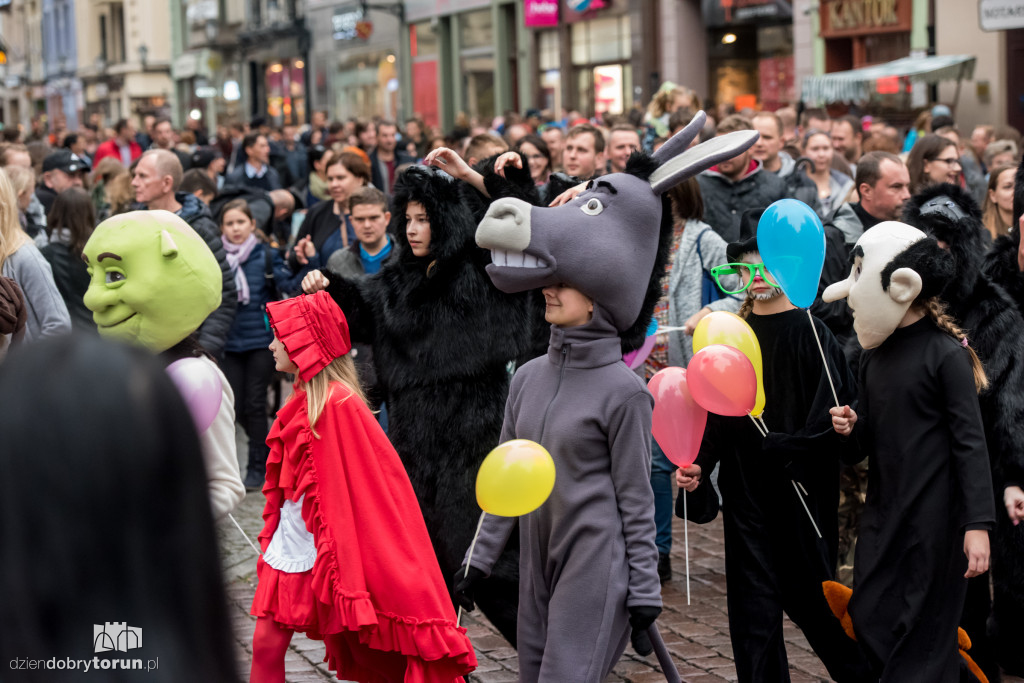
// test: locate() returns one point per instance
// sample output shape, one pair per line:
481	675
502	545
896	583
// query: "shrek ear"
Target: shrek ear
904	285
168	249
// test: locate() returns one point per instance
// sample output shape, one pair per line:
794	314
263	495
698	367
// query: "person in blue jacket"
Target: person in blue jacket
260	275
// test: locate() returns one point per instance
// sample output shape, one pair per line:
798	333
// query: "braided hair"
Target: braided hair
936	310
747	306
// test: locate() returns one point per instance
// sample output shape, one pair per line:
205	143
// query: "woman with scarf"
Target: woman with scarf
260	273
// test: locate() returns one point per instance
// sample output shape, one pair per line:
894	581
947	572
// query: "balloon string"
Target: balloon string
757	425
469	558
806	509
244	535
686	545
823	360
760	418
666	330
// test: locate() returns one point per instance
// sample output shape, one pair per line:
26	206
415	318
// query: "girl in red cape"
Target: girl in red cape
346	556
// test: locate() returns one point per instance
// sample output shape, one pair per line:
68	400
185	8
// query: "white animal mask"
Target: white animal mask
879	303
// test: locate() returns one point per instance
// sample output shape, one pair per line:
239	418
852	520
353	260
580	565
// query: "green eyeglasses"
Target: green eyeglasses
751	270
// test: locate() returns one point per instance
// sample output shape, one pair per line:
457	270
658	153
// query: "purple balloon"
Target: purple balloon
636	358
199	385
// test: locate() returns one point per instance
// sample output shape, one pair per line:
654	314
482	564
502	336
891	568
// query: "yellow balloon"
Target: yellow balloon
723	327
515	478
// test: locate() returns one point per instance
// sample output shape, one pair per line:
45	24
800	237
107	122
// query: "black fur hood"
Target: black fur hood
959	226
451	222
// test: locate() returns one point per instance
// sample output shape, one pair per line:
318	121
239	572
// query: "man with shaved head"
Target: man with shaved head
157	177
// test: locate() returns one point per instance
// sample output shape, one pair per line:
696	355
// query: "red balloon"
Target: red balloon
722	380
679	421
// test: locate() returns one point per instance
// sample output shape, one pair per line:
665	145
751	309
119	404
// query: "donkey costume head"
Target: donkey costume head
612	241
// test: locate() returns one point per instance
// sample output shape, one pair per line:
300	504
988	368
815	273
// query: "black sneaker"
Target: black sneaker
254	482
664	567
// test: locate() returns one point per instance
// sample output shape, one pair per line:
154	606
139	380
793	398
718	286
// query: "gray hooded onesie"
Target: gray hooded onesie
587	555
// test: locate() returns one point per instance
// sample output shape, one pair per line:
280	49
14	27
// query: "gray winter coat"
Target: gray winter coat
685	283
725	200
47	314
848	222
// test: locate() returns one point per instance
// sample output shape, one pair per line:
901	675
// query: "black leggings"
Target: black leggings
249	374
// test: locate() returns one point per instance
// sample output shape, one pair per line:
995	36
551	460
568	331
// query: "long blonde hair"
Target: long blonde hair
936	310
992	219
12	237
318	389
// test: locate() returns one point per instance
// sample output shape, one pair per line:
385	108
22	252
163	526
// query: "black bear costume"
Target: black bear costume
442	337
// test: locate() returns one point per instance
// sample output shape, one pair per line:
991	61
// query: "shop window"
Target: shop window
547	50
476	29
752	64
476	62
424	50
478	83
366	86
423	40
887	47
286	92
601	40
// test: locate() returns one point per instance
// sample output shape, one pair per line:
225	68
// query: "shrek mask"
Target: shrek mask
152	279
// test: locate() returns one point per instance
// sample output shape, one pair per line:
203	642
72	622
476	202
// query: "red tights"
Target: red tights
269	647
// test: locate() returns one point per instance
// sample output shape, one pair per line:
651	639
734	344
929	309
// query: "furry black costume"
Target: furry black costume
996	331
442	336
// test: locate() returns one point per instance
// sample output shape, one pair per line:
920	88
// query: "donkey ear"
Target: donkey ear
678	143
705	155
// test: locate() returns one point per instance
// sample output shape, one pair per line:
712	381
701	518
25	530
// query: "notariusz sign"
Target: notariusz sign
1000	15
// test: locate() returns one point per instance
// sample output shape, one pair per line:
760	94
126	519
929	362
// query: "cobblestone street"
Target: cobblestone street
697	635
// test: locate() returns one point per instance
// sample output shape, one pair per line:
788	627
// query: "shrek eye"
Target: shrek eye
114	276
592	207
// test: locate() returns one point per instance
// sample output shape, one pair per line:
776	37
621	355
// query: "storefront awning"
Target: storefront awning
858	85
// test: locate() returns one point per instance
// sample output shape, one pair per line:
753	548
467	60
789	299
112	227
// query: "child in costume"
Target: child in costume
929	495
588	569
442	338
775	559
368	586
260	273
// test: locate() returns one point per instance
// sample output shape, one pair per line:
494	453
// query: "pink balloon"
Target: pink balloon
722	380
679	420
636	358
198	383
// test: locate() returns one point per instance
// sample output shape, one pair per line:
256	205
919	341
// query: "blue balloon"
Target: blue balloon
652	328
791	240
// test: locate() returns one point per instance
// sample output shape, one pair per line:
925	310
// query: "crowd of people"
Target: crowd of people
383	216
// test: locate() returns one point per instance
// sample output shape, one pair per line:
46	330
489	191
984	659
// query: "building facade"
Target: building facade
207	66
23	93
64	97
124	58
274	47
355	59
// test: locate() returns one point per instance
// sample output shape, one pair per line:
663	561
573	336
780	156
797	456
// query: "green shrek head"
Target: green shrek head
152	279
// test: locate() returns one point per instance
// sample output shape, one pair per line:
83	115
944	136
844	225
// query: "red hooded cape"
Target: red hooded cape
379	602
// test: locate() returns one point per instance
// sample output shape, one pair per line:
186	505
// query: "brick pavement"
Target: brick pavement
697	635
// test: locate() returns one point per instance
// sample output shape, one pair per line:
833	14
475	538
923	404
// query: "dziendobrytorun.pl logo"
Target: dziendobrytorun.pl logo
109	637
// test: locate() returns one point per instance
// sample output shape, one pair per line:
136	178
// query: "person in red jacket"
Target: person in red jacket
122	146
346	555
